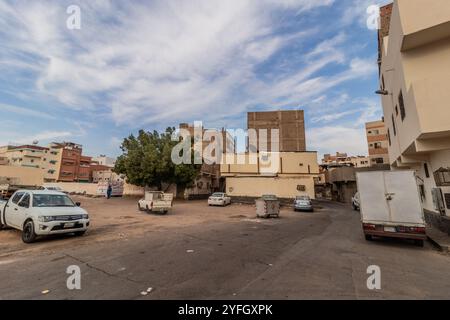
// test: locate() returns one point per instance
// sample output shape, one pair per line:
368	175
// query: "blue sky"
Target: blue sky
153	64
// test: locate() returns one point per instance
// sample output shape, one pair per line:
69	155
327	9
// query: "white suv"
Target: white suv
42	213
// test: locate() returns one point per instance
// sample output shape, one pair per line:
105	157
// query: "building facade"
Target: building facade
414	75
291	126
377	142
293	175
344	159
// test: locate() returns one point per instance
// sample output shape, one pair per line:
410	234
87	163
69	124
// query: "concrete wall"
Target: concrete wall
22	175
285	187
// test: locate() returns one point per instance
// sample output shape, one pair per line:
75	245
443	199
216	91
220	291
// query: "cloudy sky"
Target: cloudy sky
152	64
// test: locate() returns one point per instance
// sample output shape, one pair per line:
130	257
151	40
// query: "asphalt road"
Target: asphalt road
299	256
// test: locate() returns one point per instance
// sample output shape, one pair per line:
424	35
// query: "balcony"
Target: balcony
424	22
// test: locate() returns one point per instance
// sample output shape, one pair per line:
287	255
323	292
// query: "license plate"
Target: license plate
69	225
390	229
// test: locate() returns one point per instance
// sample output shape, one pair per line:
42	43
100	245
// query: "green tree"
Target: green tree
146	161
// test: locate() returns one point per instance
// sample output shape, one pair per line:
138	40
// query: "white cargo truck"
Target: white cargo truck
391	206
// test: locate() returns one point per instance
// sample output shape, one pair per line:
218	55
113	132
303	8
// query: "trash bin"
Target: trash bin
267	206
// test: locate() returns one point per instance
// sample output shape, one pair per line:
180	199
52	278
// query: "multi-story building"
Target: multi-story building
104	161
377	141
290	124
71	165
31	156
414	51
342	159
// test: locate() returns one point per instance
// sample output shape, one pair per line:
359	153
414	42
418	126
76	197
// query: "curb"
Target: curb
441	248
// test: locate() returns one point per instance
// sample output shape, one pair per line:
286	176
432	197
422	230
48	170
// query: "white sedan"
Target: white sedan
219	199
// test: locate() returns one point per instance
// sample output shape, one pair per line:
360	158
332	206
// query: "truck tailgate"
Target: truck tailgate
390	197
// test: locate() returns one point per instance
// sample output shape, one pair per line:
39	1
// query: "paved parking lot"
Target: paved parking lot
199	252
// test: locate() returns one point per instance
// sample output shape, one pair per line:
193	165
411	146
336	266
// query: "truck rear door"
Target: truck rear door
371	187
403	198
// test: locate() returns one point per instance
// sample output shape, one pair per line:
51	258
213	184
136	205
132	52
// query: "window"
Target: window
25	202
17	197
389	137
382	83
393	126
396	111
379	160
442	177
427	172
401	103
377	145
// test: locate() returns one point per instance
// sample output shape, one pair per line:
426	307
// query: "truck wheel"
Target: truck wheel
368	237
419	243
80	233
28	234
139	207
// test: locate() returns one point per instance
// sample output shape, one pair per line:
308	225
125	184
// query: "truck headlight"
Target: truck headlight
85	216
46	218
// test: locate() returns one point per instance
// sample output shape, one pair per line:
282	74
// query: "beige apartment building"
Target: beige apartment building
414	43
377	142
293	175
33	157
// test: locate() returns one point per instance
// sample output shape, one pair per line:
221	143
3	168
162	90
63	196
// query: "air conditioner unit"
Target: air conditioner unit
441	200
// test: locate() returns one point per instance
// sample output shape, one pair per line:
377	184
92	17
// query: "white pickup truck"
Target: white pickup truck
42	213
156	201
390	205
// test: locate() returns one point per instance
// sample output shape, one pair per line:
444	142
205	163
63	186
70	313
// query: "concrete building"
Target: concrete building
104	161
377	142
294	176
291	126
345	160
414	51
71	165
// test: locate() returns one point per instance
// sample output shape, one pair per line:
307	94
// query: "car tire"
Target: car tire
368	237
419	243
28	234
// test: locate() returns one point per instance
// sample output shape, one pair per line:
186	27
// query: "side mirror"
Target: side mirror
78	204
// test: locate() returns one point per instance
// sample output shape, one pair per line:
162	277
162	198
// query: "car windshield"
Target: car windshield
52	200
217	195
303	198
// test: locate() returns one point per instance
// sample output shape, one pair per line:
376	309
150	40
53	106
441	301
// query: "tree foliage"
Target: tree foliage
147	162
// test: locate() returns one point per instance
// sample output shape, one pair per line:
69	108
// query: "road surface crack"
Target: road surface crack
109	274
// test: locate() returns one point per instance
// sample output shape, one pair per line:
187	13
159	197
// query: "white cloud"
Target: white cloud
24	111
332	139
170	60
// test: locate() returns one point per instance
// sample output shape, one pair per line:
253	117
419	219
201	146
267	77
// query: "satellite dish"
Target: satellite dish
35	142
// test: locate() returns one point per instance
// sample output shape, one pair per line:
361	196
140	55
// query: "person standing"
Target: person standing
109	192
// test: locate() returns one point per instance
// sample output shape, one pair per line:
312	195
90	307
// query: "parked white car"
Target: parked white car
219	199
42	213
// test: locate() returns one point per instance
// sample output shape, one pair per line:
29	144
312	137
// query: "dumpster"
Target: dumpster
267	206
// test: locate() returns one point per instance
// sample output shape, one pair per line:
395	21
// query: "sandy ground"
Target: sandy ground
199	252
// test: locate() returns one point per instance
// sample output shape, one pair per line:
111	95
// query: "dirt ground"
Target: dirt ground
120	218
